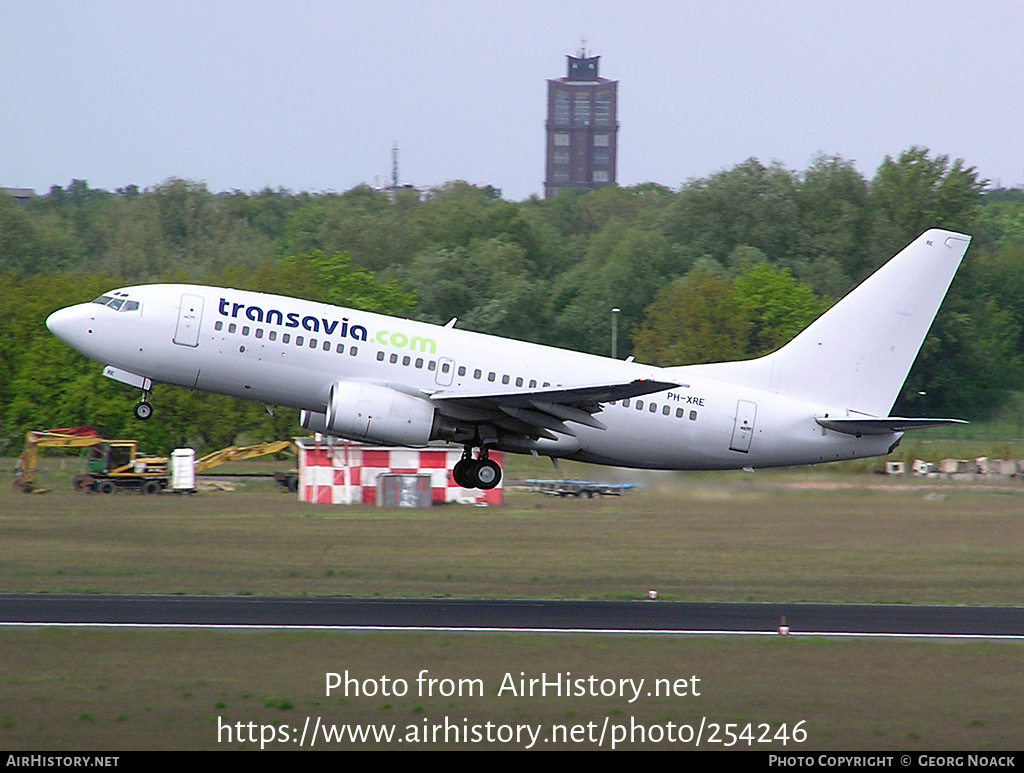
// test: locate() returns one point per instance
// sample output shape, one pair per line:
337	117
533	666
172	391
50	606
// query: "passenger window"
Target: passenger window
232	327
679	413
312	343
393	359
353	351
491	376
478	373
419	362
533	383
259	332
273	335
639	405
218	325
286	338
625	402
380	356
654	407
340	348
245	330
446	367
327	346
406	360
431	366
462	370
519	381
505	379
693	416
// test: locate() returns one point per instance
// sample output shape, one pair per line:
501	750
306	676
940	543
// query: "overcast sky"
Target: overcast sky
311	95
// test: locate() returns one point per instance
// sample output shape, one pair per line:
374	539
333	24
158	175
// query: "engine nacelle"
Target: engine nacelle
314	422
381	415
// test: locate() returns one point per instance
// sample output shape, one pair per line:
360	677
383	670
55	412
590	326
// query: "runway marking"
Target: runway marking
482	629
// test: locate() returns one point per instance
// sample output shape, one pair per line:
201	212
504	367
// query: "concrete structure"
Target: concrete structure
341	472
582	128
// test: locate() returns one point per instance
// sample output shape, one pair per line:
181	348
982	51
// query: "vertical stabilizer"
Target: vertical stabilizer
857	355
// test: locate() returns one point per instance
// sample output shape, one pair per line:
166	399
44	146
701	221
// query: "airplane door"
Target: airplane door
743	426
445	371
189	316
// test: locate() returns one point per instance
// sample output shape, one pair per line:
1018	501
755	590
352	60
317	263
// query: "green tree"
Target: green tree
917	192
695	319
777	306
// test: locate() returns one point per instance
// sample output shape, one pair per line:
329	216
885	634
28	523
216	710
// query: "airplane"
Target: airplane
825	396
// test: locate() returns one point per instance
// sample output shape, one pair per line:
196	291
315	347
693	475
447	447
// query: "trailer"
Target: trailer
585	489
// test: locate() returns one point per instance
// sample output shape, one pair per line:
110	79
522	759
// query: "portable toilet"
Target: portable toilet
183	470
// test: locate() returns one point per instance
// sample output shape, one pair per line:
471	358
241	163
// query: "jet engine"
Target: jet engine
381	415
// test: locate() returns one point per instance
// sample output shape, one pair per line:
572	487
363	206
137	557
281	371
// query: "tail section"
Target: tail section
857	355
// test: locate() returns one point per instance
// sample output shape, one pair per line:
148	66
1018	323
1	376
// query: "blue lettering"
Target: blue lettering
294	319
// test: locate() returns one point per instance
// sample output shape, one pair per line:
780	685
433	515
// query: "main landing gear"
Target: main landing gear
482	473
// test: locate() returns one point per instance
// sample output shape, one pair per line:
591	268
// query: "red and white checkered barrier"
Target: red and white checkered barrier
341	472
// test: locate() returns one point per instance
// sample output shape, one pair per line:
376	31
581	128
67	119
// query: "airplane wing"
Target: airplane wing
884	426
540	412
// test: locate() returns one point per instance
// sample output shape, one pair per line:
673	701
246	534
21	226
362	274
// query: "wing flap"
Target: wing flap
578	397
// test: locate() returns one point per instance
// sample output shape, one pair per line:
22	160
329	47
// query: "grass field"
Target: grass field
815	535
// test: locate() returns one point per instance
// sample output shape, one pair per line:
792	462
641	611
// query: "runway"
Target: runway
657	617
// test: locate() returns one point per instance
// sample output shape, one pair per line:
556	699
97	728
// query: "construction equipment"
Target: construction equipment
237	454
288	481
112	465
116	465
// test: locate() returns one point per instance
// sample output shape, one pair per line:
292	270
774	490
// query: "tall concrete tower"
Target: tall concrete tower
582	128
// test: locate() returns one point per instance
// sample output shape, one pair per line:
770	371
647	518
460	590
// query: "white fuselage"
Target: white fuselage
285	351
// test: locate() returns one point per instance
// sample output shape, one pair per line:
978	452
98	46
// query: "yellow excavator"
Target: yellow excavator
285	480
117	465
111	465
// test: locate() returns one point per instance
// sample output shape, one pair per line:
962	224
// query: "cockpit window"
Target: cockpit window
117	304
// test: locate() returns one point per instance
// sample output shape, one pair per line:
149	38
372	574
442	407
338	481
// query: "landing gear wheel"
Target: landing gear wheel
464	473
143	410
488	474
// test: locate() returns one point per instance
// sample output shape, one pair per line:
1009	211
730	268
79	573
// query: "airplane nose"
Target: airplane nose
66	324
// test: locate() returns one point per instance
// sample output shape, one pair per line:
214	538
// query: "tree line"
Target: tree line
724	267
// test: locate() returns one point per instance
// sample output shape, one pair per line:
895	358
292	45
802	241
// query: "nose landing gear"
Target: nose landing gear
143	409
481	473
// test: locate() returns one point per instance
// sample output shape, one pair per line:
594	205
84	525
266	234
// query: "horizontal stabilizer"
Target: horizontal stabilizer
885	426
